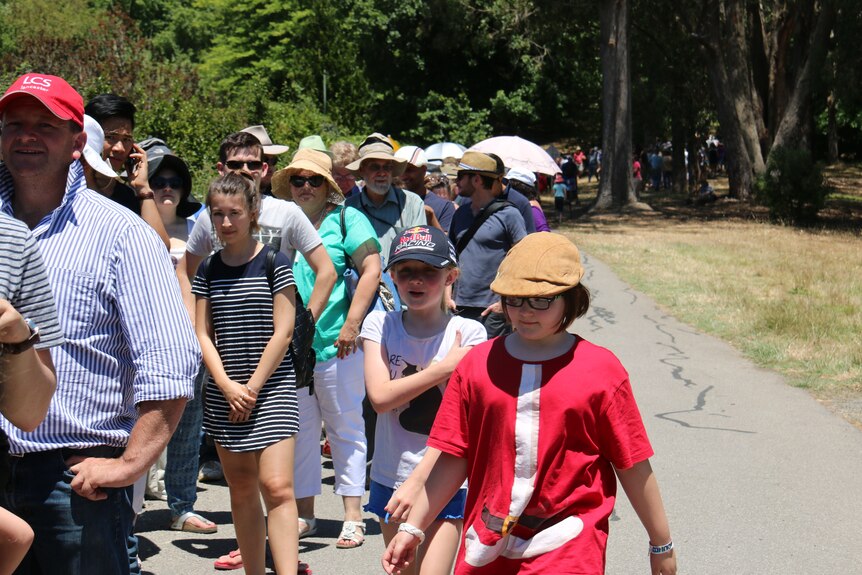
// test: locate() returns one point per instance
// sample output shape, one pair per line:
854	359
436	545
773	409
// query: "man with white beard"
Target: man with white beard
389	209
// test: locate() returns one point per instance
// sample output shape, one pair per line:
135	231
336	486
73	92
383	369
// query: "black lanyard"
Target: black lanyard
381	220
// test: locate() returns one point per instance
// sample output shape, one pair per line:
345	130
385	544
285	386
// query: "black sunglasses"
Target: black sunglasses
537	303
253	165
160	182
313	181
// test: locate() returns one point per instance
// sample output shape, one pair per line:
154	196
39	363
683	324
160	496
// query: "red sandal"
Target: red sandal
233	560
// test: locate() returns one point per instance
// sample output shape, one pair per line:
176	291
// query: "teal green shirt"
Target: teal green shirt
329	323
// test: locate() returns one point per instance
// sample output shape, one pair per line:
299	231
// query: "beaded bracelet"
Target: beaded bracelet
659	549
147	196
414	531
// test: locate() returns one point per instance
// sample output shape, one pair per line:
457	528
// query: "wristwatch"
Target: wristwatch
15	348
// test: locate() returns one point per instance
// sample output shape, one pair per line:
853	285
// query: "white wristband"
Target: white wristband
659	549
414	531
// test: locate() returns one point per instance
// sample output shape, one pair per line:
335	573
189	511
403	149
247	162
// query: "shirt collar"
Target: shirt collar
75	182
390	199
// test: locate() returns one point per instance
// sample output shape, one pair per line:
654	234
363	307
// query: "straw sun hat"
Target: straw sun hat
313	161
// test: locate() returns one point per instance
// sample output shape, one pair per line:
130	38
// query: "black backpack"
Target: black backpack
301	350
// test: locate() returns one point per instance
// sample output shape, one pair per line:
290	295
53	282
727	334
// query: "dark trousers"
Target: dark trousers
74	535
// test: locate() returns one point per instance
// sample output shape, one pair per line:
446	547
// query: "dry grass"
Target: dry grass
790	299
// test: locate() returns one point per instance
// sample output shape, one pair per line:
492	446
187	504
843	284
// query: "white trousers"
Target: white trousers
339	388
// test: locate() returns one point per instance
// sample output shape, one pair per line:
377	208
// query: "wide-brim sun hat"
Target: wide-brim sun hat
312	161
540	265
377	147
313	142
160	157
93	149
269	149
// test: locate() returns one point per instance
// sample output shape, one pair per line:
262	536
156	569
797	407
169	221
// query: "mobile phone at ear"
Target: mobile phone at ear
130	167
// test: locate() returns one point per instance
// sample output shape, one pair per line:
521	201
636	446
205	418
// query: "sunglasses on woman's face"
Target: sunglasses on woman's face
537	303
313	181
159	183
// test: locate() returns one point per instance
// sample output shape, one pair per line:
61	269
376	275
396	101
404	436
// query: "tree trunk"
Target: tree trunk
615	187
832	127
678	130
726	49
795	121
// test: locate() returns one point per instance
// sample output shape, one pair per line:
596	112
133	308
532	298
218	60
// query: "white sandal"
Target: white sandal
352	531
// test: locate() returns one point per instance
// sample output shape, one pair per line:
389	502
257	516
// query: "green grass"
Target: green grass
791	301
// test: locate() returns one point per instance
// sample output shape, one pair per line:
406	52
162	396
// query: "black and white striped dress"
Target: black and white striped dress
241	303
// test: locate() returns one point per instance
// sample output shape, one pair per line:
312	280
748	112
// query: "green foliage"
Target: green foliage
793	187
448	119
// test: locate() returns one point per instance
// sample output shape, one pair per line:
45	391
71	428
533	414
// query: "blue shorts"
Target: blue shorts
379	495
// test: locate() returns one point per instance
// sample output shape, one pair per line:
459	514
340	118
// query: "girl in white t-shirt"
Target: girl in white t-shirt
409	356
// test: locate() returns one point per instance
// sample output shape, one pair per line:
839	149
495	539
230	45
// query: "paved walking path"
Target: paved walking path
758	478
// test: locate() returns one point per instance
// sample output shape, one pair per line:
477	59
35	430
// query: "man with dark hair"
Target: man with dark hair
125	370
483	231
271	152
116	116
514	197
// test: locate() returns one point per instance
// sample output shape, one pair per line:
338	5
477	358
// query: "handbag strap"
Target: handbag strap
347	259
487	212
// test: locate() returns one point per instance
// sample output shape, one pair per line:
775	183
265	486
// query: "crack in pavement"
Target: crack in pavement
698	406
676	354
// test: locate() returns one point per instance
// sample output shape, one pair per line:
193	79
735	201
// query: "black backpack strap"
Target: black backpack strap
270	266
487	212
206	267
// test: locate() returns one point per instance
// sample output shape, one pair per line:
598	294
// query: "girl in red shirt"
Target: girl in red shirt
541	423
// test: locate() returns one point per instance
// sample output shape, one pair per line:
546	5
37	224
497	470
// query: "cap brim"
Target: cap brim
95	161
430	259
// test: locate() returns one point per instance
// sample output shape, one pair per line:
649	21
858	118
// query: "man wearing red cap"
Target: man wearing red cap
126	368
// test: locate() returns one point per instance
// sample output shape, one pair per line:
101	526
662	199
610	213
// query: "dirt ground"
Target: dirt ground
843	211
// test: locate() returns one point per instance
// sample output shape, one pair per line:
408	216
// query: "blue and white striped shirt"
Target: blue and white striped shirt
128	337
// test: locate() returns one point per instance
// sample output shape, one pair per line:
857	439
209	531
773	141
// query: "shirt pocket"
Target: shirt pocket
76	299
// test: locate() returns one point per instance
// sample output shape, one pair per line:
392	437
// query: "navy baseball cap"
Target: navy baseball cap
425	244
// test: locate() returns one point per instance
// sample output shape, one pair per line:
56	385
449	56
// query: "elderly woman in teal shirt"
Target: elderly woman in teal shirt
339	383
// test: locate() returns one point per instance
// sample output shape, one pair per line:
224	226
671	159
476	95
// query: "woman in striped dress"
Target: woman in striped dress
244	320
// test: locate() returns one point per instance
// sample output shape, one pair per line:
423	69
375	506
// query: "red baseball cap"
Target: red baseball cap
52	91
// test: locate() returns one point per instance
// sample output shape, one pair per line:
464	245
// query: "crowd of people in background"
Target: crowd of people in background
357	291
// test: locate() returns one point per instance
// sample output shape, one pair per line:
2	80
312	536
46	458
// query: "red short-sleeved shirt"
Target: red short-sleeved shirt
547	434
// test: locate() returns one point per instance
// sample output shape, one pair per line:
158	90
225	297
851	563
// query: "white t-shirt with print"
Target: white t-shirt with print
401	433
283	226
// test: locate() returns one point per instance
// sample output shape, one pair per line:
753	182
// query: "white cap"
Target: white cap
93	149
524	176
413	155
